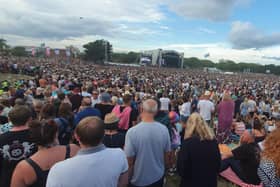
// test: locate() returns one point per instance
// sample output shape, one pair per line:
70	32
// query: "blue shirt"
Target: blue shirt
87	112
147	142
94	167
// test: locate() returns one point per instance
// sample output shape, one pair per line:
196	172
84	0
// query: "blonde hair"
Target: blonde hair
196	126
226	97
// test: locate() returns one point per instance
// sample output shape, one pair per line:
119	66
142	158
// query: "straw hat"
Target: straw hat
111	118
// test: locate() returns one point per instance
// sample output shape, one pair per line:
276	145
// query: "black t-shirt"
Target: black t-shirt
104	109
249	157
14	147
198	163
133	115
76	101
114	141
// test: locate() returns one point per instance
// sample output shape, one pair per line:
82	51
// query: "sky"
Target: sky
239	30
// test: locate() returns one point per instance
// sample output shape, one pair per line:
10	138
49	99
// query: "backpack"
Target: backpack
124	116
65	131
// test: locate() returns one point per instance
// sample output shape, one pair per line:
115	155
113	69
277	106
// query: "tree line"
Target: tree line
100	51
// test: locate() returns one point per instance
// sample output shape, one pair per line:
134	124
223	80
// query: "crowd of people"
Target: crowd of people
80	124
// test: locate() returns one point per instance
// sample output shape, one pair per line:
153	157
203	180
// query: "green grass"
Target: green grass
174	181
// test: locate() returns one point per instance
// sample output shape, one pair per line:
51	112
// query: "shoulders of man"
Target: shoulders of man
141	125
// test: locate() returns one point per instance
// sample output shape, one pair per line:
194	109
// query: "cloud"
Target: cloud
206	30
244	35
213	10
271	57
60	20
224	51
163	27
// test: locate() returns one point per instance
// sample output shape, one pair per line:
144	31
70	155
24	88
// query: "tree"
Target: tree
4	47
19	51
98	51
131	57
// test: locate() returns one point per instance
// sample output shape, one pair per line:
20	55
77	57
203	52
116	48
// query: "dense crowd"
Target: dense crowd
79	124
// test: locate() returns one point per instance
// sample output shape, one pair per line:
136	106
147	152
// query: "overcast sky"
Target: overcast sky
240	30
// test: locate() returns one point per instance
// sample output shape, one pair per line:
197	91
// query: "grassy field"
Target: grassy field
174	181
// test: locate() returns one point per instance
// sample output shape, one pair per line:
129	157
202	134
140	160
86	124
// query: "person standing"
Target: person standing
126	114
147	146
164	103
86	110
206	107
105	107
95	165
16	144
113	138
225	118
185	110
199	159
36	168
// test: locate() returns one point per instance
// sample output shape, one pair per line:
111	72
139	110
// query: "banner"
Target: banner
56	51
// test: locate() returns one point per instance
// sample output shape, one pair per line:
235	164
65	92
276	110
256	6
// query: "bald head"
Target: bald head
90	131
150	106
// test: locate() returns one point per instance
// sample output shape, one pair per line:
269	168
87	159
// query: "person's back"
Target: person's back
76	101
146	144
95	165
186	109
165	101
104	109
88	164
199	163
205	107
199	158
150	141
16	144
114	140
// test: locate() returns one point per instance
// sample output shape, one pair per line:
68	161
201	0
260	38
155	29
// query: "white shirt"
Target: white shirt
185	109
94	102
164	102
206	107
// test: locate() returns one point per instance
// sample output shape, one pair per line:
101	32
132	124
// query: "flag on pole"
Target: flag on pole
33	52
48	51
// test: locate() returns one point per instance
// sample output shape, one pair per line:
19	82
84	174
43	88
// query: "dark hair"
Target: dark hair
19	101
258	124
44	132
2	107
19	115
90	131
5	102
48	111
65	110
127	98
60	95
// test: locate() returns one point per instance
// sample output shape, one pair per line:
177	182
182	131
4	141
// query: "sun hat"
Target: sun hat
110	119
